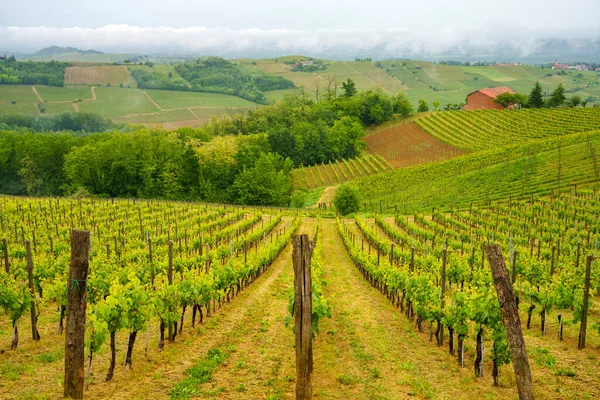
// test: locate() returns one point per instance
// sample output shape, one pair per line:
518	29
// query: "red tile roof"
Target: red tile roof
494	92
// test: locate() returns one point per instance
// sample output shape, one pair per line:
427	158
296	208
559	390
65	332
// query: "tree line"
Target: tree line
50	73
240	159
214	75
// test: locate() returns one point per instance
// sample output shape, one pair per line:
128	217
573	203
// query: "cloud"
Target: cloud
244	42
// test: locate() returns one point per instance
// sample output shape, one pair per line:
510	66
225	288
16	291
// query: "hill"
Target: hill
479	130
535	167
271	79
52	50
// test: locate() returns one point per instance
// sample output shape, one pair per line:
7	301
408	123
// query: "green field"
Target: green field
169	99
18	93
118	102
56	108
419	80
66	93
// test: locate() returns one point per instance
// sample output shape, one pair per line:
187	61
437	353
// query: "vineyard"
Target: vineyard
484	129
407	144
434	270
537	167
194	299
339	172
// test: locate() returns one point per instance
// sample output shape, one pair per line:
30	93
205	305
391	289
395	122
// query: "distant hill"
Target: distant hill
48	51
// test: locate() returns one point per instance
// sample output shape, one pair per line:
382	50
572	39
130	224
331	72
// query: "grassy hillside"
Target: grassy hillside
419	80
518	170
479	130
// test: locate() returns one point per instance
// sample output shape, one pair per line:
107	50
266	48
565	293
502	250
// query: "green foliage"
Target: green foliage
511	99
50	73
347	199
198	374
403	105
349	88
557	98
68	121
423	106
216	75
536	99
266	183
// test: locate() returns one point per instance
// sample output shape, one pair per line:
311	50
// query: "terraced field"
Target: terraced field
536	167
407	144
339	172
484	129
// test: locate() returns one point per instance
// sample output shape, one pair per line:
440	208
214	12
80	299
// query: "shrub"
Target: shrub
347	199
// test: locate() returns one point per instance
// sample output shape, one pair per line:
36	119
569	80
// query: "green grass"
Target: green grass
199	374
19	108
56	108
117	102
168	99
167	116
18	93
66	93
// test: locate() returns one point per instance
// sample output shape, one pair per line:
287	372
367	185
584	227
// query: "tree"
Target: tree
347	199
423	106
575	101
436	105
557	98
403	105
509	99
349	88
536	99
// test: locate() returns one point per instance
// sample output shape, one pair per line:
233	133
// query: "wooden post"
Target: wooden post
170	279
514	266
443	283
6	264
76	305
586	299
34	331
511	321
303	316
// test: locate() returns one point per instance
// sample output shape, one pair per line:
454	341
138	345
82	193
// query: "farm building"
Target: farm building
560	66
483	99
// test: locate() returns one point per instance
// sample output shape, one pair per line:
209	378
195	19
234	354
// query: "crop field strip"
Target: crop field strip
540	167
405	257
339	172
477	130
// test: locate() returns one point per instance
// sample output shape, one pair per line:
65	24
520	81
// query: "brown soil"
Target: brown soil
406	144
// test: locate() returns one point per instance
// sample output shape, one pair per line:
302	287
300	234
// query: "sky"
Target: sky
311	25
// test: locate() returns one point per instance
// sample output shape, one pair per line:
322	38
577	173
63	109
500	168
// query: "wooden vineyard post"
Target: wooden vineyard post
514	266
586	299
5	250
303	316
512	322
76	305
34	331
443	293
170	280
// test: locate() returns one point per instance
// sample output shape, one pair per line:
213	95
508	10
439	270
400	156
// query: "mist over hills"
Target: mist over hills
443	44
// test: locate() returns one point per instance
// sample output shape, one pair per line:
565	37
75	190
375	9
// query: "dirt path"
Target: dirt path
327	196
152	100
370	350
251	326
37	94
194	114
